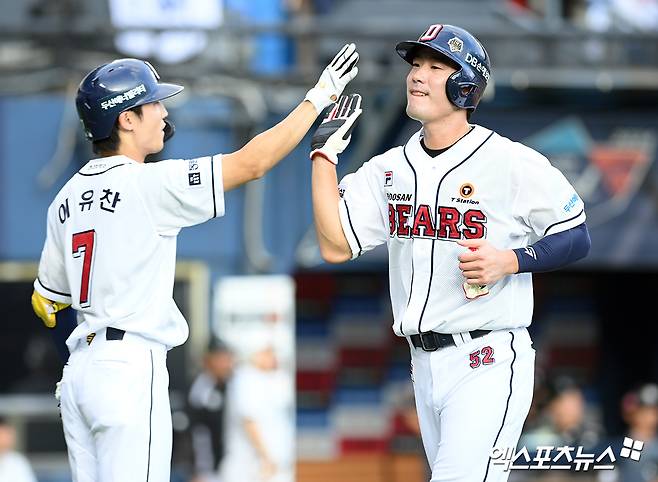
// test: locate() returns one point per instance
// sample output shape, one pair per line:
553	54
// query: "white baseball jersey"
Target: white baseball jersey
110	248
484	186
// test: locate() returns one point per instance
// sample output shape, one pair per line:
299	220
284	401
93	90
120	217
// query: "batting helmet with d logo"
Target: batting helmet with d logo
466	86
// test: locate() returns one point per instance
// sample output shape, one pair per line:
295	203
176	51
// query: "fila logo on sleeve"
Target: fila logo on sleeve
388	178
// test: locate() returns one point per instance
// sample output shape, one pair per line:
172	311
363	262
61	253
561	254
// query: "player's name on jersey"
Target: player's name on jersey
107	200
446	222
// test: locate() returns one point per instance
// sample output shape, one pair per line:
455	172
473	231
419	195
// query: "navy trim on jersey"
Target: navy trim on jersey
509	397
212	184
148	462
102	172
411	285
52	290
565	221
436	209
347	210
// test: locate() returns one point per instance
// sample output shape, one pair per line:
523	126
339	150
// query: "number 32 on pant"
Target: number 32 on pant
483	356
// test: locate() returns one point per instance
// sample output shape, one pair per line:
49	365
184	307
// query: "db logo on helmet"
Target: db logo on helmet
477	65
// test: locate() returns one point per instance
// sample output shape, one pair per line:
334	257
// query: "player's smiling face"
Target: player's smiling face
149	133
426	87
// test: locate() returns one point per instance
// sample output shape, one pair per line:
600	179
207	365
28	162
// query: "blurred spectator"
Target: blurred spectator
186	19
640	412
202	448
14	466
563	421
552	11
260	424
625	15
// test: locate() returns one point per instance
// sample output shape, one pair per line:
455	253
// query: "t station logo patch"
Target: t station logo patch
466	190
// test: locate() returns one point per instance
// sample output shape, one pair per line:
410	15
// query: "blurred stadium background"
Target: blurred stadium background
575	79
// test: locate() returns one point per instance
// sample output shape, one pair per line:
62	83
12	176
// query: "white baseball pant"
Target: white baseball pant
470	399
115	411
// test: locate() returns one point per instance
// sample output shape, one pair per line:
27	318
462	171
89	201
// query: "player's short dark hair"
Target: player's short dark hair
110	145
217	345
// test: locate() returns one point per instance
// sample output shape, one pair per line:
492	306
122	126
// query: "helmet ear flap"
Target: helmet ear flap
462	92
466	90
454	90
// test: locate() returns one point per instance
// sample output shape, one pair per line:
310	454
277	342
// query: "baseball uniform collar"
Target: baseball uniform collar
456	153
103	164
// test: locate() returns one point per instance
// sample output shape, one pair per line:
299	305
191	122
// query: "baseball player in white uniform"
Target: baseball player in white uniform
260	425
110	253
467	216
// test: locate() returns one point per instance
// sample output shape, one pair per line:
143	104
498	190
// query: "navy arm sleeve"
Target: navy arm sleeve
555	250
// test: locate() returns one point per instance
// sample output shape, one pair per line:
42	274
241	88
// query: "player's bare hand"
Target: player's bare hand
334	78
334	134
483	264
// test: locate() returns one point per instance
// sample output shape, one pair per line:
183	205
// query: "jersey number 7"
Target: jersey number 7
83	245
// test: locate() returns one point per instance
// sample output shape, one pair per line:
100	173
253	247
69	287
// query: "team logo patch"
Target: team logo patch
466	190
456	44
194	178
388	178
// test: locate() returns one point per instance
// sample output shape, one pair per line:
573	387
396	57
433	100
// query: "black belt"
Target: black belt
432	341
114	333
110	334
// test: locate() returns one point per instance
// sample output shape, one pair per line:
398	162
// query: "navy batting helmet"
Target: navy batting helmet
116	87
466	86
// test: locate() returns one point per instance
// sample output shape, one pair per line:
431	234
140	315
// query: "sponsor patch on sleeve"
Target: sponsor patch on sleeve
193	173
571	203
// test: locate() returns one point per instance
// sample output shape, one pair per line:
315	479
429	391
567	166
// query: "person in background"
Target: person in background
563	421
640	412
14	466
206	407
259	424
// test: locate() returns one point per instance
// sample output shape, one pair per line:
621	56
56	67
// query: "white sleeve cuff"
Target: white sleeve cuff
51	293
560	226
217	186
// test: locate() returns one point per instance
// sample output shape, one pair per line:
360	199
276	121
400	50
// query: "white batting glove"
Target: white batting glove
334	78
334	134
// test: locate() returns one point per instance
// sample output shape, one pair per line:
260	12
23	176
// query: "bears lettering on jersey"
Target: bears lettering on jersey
452	223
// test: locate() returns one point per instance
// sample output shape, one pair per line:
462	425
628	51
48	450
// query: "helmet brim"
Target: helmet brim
164	91
407	50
